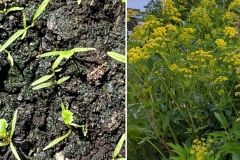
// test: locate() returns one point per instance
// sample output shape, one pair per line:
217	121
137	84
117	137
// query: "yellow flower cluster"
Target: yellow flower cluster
139	34
235	3
220	79
221	43
171	11
210	3
199	55
151	24
230	16
182	2
173	67
171	28
199	117
187	34
230	32
130	13
150	18
200	148
136	54
159	32
199	16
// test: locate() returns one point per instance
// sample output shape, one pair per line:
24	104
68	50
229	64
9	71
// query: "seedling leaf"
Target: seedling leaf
13	123
119	146
10	59
48	54
66	54
40	10
14	9
67	115
79	1
3	128
3	144
14	151
42	79
58	70
82	49
43	85
54	142
57	62
78	126
11	39
117	56
63	79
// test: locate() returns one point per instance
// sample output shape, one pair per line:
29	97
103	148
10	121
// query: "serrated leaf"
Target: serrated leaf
63	79
83	49
54	142
57	62
10	59
14	9
117	56
14	121
119	146
14	151
42	79
11	39
43	85
221	119
40	9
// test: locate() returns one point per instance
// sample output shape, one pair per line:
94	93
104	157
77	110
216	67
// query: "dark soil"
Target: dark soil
95	92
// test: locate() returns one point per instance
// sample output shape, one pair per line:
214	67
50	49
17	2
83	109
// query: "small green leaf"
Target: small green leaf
14	151
24	20
54	142
78	126
236	155
67	115
57	62
14	9
165	123
118	147
66	54
43	85
221	119
48	54
42	79
10	59
3	144
3	128
58	70
14	120
11	39
117	56
40	10
83	49
63	79
79	1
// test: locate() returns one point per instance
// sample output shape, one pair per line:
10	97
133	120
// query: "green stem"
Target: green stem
156	148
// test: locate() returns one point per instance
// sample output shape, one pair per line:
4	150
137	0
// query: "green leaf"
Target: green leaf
10	59
54	142
11	39
14	9
236	155
144	139
48	54
43	85
40	9
178	149
63	79
67	115
3	144
219	134
165	123
3	128
57	62
221	119
42	79
24	20
118	147
82	49
14	151
14	120
66	54
79	1
117	56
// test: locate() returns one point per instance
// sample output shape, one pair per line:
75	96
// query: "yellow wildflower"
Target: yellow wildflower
221	43
230	32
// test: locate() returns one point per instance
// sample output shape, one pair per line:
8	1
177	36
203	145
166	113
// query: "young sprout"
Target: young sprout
117	56
7	138
67	116
6	11
118	148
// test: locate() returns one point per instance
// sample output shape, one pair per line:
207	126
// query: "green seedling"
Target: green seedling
41	82
10	59
117	56
23	31
7	138
67	116
6	11
118	148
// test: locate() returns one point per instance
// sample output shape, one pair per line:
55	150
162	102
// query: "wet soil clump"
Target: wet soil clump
95	92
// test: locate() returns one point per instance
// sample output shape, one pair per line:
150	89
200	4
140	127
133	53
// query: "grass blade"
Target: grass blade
63	79
11	39
14	151
42	79
43	85
14	9
117	56
40	10
119	146
48	54
54	142
13	123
